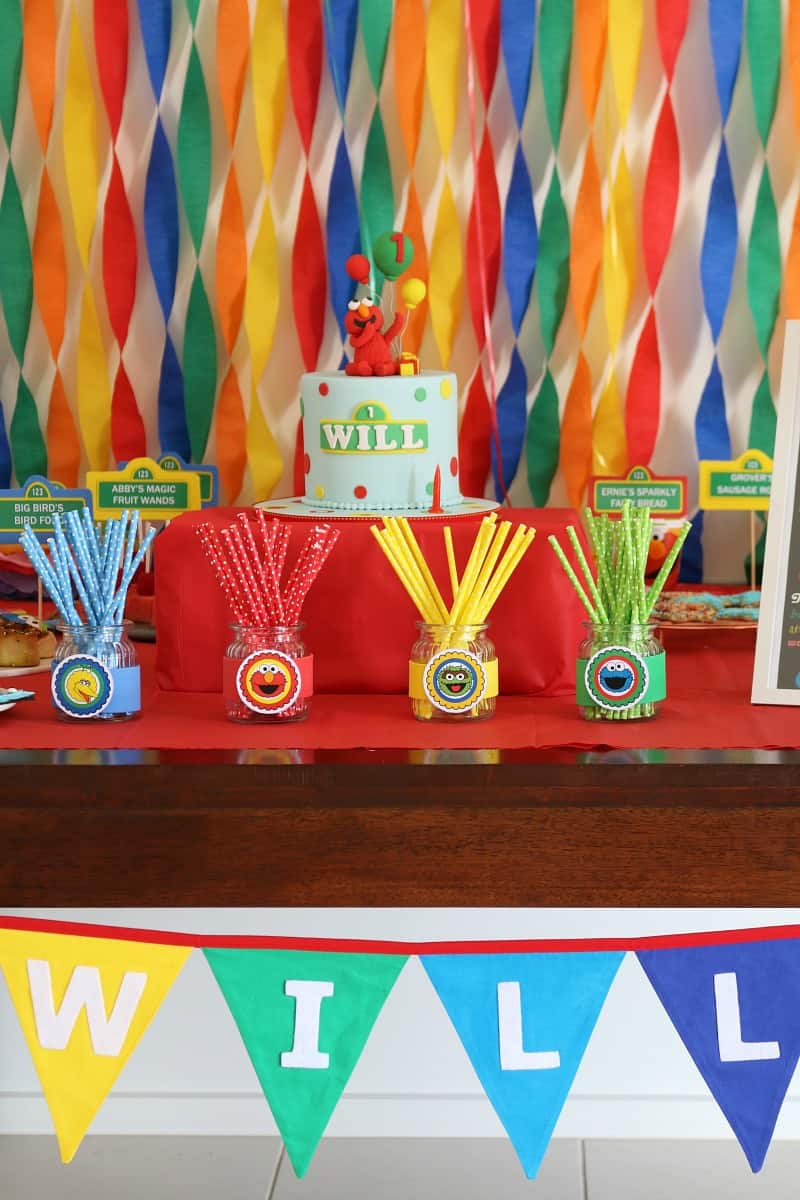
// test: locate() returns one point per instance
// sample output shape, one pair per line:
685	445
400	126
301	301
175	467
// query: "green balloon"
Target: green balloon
393	253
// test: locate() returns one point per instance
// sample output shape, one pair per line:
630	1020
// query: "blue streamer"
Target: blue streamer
520	239
511	422
518	33
342	229
161	226
173	435
341	22
155	18
711	423
725	26
719	244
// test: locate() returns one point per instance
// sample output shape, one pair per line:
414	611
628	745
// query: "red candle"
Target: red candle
436	506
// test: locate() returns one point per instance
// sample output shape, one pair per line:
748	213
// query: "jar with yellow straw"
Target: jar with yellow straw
453	669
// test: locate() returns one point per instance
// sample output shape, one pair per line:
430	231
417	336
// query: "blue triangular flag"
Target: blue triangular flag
736	1008
525	1021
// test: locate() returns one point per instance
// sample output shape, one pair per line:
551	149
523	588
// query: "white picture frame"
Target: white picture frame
776	660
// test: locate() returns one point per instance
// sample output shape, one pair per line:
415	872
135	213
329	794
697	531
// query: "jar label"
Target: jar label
617	678
453	680
269	681
82	686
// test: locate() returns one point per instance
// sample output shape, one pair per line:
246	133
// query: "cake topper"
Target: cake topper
378	351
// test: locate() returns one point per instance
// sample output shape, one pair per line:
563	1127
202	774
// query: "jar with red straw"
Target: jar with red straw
268	673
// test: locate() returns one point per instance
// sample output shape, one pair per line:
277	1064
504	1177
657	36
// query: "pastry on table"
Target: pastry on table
19	644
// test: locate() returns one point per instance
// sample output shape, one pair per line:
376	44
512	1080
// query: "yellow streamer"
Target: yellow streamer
76	1079
263	454
609	450
268	58
94	393
80	142
262	297
619	253
446	275
442	65
625	19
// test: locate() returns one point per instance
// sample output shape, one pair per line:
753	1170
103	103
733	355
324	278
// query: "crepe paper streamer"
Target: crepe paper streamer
763	31
542	441
443	65
409	71
377	195
233	52
474	438
28	450
671	20
111	45
231	259
63	443
660	199
16	266
413	227
719	245
609	453
553	263
619	253
262	295
375	18
119	255
711	427
508	437
199	368
342	229
575	457
764	264
485	25
194	148
10	65
520	240
268	68
586	245
725	28
304	48
231	436
642	407
518	34
40	30
263	453
80	142
308	277
555	50
340	22
446	276
625	21
792	270
93	391
155	21
591	29
763	418
484	243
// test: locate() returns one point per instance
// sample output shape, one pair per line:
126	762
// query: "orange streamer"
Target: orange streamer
409	58
233	50
591	28
231	437
50	266
412	225
586	246
231	263
576	433
39	48
63	443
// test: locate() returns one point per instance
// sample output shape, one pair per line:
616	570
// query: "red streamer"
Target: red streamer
485	21
119	255
660	194
111	47
128	437
671	18
484	243
304	47
643	404
474	455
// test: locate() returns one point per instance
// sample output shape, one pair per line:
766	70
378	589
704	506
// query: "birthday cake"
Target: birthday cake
380	435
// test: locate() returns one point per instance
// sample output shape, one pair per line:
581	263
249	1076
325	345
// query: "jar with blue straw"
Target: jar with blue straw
94	674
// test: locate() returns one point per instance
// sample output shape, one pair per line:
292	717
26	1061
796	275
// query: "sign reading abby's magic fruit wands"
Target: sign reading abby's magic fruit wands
35	504
665	497
158	494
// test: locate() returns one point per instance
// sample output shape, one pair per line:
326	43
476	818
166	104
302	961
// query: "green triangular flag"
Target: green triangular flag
304	1017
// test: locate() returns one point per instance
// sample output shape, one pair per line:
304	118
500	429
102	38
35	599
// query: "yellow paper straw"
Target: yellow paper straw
419	558
402	552
508	566
484	576
451	560
399	569
479	548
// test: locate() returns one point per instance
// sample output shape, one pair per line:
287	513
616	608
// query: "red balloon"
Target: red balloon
357	267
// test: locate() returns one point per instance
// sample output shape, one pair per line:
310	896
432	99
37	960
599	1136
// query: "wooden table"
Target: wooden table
399	828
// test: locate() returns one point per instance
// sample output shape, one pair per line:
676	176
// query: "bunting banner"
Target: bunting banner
524	1012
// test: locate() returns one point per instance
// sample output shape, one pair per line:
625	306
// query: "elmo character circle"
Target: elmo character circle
268	681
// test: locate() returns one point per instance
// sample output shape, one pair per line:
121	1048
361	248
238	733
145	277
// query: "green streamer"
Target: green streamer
375	17
199	368
552	269
555	50
16	267
194	7
762	419
194	149
28	449
764	264
764	36
377	196
10	63
542	441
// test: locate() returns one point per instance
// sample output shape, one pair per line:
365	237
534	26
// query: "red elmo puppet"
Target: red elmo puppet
372	346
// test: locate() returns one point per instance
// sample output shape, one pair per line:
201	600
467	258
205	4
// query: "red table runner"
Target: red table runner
708	707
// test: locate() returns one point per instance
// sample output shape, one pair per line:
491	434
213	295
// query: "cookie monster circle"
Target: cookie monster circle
268	682
81	686
616	677
454	680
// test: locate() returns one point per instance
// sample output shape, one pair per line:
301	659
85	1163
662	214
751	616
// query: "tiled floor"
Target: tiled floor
389	1169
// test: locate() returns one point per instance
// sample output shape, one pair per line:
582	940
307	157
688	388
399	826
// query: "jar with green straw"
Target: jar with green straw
621	665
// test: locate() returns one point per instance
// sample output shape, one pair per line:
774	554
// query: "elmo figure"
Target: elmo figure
372	346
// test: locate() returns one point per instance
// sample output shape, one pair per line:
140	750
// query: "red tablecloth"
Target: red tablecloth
360	624
707	707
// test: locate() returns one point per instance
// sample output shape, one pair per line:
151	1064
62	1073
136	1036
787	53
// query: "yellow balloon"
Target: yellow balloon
413	292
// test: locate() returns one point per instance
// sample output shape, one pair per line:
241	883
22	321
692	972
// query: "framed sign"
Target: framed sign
776	677
665	497
159	495
34	505
743	484
207	474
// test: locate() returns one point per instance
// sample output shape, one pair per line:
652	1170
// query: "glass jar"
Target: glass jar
267	675
95	673
621	673
452	674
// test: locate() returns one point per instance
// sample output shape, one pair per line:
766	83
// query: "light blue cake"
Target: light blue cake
373	443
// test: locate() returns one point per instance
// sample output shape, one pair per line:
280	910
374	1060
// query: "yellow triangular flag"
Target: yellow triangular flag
83	1004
